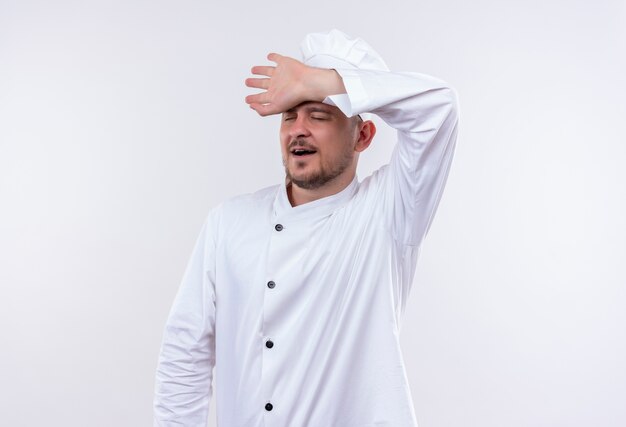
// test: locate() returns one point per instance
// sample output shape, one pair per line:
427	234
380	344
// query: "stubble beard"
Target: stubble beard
321	176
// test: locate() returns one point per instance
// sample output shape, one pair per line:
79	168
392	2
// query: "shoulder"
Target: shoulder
375	185
243	205
245	201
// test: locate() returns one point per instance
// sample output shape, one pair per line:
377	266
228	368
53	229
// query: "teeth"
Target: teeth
300	152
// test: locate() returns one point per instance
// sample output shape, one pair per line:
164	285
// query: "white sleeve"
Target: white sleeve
185	369
424	111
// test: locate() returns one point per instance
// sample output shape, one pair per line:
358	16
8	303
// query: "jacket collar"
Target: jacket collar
315	209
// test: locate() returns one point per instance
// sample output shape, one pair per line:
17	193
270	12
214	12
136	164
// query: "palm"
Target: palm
283	85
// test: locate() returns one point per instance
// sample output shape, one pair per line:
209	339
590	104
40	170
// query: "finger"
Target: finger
264	109
264	70
258	83
258	98
274	57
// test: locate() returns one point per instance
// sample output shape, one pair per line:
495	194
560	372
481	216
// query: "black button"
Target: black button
269	407
269	344
278	227
271	284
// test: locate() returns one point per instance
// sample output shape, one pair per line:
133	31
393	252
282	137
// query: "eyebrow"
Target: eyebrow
309	109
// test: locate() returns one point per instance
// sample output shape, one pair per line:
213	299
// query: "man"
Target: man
295	293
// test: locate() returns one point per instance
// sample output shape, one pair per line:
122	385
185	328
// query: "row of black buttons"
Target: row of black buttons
269	343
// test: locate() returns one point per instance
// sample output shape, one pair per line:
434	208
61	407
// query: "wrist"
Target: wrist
323	83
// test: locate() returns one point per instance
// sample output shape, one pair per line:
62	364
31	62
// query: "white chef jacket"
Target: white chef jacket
299	308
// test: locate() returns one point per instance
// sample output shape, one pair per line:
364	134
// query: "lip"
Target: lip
310	151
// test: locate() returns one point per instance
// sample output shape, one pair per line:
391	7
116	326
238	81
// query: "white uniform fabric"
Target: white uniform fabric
328	290
336	49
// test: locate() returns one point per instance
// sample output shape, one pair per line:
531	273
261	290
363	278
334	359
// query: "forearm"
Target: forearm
321	83
408	102
183	381
185	368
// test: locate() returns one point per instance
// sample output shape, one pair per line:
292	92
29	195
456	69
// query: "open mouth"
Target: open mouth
301	152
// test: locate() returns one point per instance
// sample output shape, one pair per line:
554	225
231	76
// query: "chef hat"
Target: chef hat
335	49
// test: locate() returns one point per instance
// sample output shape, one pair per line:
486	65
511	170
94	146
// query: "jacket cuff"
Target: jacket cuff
352	102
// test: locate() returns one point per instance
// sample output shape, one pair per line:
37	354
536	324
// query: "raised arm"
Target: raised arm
421	108
185	369
424	112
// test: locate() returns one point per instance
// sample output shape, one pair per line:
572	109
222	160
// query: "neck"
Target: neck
299	196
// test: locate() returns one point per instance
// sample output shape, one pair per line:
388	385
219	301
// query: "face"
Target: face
318	144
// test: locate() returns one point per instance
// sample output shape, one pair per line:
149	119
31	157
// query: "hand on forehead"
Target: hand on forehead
290	83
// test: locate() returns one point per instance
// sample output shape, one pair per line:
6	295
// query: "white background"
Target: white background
123	122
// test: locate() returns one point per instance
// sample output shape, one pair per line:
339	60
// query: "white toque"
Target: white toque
336	49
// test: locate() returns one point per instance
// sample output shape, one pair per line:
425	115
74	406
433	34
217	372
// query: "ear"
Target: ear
367	130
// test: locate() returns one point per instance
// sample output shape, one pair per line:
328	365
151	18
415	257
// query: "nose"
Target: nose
299	127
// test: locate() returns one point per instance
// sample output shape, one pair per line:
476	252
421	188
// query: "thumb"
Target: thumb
263	109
